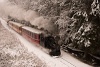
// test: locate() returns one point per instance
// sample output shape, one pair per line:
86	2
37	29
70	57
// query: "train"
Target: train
36	36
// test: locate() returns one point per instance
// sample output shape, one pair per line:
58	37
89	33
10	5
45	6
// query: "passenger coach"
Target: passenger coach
16	26
31	34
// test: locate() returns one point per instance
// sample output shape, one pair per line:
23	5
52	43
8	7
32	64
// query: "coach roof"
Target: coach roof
15	23
32	30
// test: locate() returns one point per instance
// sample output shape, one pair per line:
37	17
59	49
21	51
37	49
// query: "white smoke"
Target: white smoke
2	10
15	11
30	15
7	9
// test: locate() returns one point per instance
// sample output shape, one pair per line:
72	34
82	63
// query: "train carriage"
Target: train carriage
31	34
16	26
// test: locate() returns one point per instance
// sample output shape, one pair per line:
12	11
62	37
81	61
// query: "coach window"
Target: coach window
29	33
37	36
19	27
33	35
26	32
22	30
15	26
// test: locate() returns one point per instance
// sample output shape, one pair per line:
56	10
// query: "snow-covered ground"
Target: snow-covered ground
66	60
